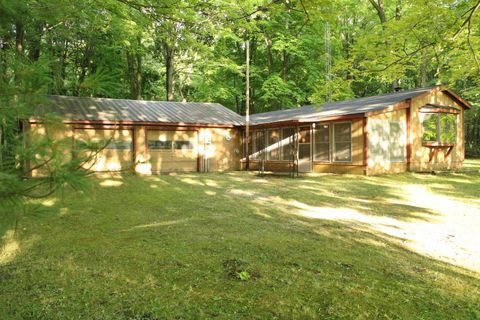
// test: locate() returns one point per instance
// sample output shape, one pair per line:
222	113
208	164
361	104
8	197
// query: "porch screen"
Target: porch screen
342	142
287	143
273	147
259	145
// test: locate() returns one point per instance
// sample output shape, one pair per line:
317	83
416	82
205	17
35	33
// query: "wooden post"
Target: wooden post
365	142
247	104
409	129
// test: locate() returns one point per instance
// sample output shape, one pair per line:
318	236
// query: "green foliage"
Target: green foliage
194	50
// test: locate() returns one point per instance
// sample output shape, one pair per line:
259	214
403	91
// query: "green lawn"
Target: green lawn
237	245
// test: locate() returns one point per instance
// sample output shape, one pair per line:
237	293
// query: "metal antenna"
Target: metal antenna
328	61
247	103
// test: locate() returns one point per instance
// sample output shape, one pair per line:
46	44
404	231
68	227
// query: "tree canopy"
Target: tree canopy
302	51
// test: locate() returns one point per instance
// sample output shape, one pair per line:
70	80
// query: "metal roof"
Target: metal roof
123	110
342	108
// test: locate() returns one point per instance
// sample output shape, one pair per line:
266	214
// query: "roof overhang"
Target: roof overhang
462	102
394	107
435	108
140	123
298	122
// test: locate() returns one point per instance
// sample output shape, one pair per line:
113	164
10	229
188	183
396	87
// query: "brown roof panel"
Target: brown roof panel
358	106
123	110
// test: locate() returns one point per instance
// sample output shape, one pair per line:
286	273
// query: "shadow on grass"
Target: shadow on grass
328	246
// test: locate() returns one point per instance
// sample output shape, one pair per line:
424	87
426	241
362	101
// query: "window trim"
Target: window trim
334	142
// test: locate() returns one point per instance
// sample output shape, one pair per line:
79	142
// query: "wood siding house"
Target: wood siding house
147	137
412	130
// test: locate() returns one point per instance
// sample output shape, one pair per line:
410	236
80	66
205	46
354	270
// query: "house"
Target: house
148	136
413	130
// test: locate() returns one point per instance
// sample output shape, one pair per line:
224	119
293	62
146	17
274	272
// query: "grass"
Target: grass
236	245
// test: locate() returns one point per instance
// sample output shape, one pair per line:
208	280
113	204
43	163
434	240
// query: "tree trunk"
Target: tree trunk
138	77
134	69
398	10
19	36
36	39
63	72
380	8
3	58
269	44
84	67
285	52
169	71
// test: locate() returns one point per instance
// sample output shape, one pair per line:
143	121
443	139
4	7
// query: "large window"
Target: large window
273	147
342	142
170	141
287	144
322	143
183	145
439	128
159	145
273	144
119	145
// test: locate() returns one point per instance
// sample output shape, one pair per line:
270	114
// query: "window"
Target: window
183	145
119	145
287	143
342	142
439	128
159	145
273	148
322	143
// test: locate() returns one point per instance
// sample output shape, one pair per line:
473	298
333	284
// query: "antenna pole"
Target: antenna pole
328	61
247	104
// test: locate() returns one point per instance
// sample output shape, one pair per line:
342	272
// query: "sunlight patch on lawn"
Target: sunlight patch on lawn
156	179
49	202
261	181
157	224
210	193
10	247
212	183
63	212
240	192
451	236
111	183
192	181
